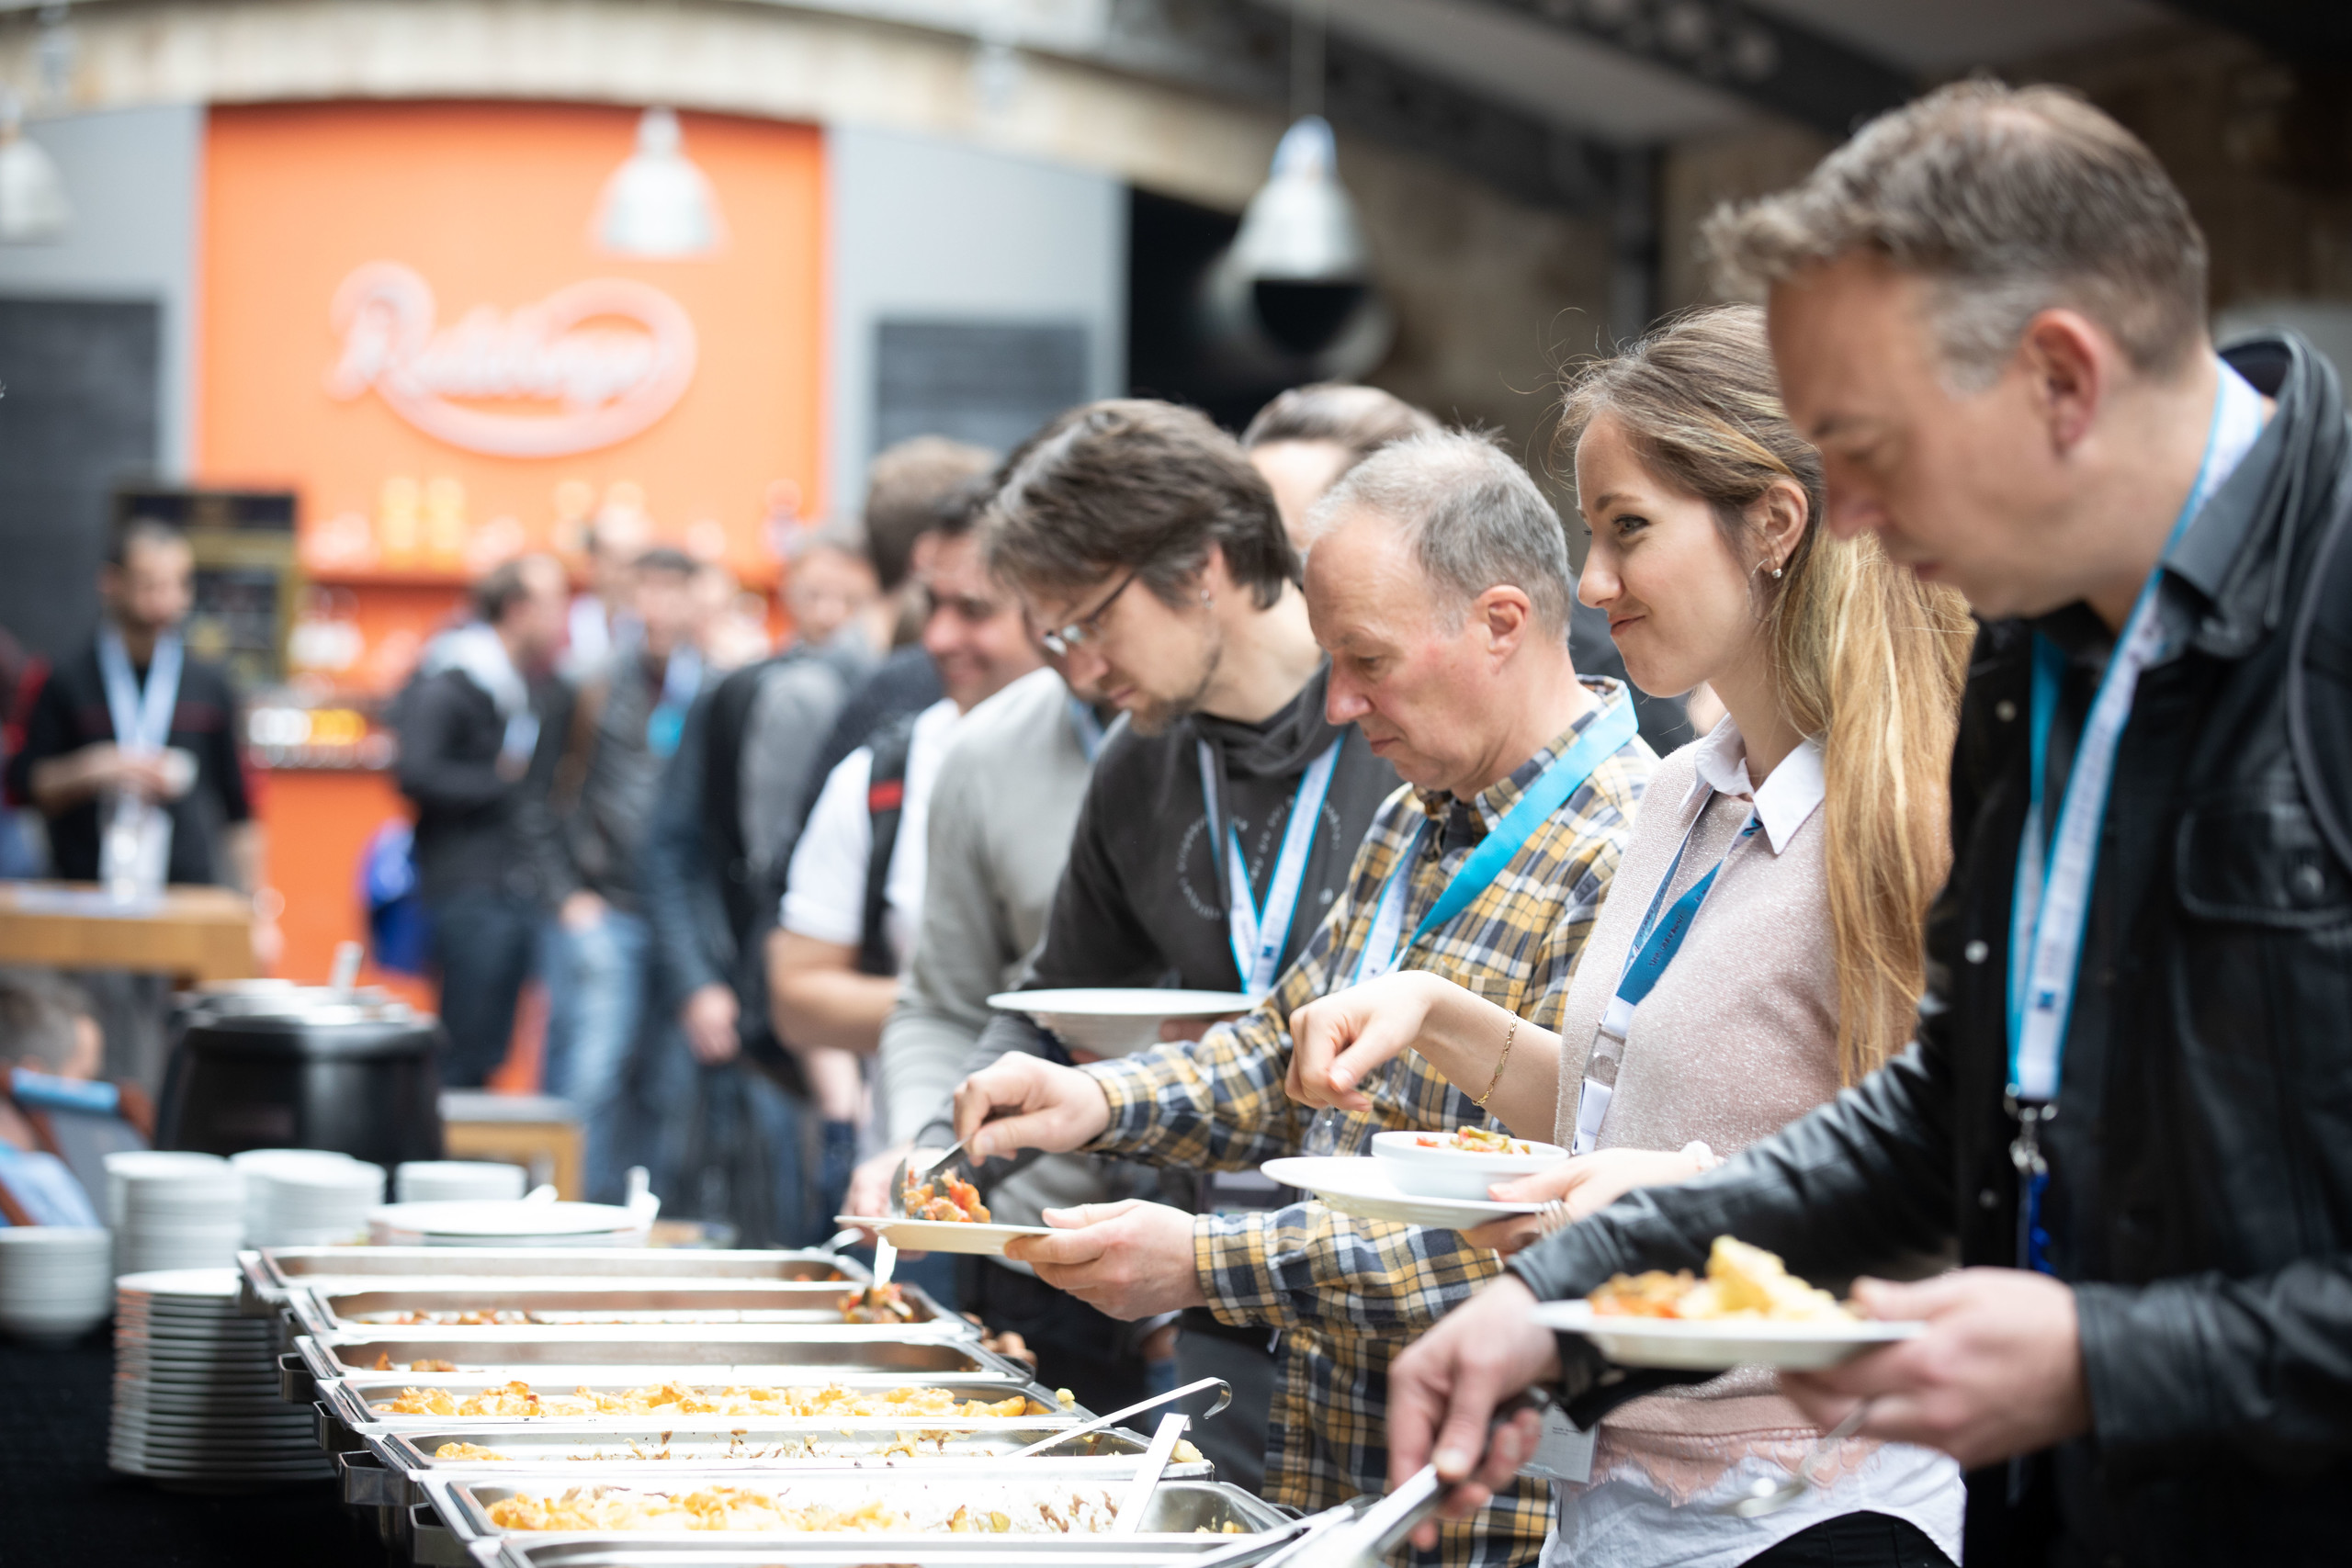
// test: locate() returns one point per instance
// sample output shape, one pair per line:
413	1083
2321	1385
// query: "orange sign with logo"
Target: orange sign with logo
406	316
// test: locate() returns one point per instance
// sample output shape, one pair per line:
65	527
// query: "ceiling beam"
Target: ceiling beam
1736	49
2297	31
1241	49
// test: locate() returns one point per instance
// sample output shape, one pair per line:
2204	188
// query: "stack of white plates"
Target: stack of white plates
482	1223
454	1180
307	1197
172	1210
56	1283
196	1388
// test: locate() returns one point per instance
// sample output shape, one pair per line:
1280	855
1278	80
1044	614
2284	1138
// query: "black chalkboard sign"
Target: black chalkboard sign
991	383
79	419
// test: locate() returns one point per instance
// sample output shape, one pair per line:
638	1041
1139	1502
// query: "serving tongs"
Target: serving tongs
1048	1444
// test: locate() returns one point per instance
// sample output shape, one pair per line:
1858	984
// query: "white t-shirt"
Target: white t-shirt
824	896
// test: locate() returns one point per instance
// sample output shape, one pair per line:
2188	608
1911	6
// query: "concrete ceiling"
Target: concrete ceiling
1559	71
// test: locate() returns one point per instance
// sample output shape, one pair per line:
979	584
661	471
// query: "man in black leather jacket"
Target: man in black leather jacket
1987	311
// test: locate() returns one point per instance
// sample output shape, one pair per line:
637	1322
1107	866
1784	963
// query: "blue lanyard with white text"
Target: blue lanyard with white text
141	719
1608	731
2050	905
1654	947
681	679
1257	932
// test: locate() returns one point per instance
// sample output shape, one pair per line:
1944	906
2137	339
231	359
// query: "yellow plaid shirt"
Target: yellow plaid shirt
1348	1293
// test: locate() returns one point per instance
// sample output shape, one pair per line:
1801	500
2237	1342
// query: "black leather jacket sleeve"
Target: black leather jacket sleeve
2181	1369
1862	1181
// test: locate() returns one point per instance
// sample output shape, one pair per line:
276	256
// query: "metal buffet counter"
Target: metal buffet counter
600	1407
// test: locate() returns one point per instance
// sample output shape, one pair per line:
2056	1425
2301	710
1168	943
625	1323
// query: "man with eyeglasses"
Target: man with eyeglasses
1154	561
854	894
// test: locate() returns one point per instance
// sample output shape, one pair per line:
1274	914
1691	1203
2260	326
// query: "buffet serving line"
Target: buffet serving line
530	1406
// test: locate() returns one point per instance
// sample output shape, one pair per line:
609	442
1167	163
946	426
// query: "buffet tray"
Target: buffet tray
281	1268
345	1306
1197	1513
951	1552
655	1353
721	1444
350	1404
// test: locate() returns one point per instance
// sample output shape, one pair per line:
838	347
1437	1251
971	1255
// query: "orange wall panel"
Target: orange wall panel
490	205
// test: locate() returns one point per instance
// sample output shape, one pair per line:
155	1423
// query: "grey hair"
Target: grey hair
1472	514
2008	201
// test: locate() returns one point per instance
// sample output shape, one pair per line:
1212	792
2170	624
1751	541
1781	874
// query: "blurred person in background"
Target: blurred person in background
1306	438
739	780
601	619
626	723
1002	814
19	852
1154	554
1438	580
854	895
730	625
46	1027
906	486
136	716
481	729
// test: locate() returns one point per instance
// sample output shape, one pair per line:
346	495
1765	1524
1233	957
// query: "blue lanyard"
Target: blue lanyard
141	719
1607	732
681	679
2050	903
1658	940
1257	932
1087	726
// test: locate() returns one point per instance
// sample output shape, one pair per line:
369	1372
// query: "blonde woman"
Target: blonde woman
1761	945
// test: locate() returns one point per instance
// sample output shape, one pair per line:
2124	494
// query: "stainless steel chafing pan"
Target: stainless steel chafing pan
283	1268
719	1442
737	1354
349	1307
947	1552
1045	1509
352	1403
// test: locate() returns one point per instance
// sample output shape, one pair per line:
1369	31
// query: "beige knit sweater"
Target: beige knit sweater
1737	1038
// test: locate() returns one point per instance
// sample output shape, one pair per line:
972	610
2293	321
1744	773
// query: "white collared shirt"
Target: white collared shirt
1790	793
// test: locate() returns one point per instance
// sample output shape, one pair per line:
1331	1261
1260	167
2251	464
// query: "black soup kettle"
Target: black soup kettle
303	1068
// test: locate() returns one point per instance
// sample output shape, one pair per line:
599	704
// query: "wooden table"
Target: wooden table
533	1130
197	935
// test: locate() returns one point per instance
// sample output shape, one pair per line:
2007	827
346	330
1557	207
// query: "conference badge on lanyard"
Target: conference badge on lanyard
1604	735
1257	932
2050	907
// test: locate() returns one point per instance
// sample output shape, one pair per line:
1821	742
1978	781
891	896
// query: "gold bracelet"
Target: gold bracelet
1500	1063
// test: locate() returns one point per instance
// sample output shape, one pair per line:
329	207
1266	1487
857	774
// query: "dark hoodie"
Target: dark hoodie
1144	900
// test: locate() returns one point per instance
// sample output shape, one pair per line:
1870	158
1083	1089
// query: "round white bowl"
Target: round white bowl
1449	1172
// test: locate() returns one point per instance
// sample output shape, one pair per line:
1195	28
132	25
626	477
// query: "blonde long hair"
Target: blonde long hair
1867	658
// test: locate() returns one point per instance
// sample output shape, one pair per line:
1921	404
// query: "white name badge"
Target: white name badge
1593	1110
1565	1453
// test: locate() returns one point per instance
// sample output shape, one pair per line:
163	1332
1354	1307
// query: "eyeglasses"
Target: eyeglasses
1085	629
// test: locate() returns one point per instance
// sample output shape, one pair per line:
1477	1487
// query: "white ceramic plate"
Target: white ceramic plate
944	1235
1438	1169
1117	1020
1360	1185
1724	1344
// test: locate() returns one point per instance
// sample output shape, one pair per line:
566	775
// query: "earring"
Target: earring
1776	574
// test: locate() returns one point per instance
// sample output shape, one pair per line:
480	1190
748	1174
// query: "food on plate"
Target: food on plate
469	1451
878	1303
1475	1141
1742	1281
383	1363
676	1399
741	1508
955	1200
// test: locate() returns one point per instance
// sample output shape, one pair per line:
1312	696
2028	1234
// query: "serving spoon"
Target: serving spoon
1770	1496
1224	1398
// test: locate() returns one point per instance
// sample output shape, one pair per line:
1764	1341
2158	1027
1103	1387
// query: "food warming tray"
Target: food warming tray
555	1359
348	1307
720	1444
1199	1513
351	1403
281	1269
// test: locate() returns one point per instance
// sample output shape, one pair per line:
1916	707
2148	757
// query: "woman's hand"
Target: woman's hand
1335	1041
1589	1183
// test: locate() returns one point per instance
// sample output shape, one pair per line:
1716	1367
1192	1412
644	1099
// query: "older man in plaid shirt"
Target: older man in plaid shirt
1438	580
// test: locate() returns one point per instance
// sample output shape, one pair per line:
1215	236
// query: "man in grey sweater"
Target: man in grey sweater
1002	815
